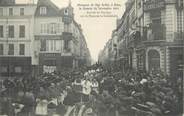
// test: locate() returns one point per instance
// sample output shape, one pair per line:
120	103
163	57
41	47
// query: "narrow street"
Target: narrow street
92	91
94	58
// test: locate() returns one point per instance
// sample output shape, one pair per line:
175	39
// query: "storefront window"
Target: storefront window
18	69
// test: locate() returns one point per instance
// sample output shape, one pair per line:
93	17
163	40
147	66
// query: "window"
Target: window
21	31
44	28
1	31
1	49
3	69
10	11
43	45
18	69
22	49
41	30
66	46
11	49
11	31
53	28
43	10
49	28
21	11
53	45
1	11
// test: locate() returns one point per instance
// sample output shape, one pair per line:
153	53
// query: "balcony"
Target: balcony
156	33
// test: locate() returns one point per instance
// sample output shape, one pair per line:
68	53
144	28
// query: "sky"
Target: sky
98	30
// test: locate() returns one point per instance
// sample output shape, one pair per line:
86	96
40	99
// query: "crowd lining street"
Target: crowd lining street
92	91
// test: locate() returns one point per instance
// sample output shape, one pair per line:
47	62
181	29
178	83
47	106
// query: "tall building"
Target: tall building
58	37
164	40
156	39
151	36
16	38
38	38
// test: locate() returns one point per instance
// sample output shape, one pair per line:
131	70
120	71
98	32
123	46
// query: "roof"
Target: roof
17	5
52	9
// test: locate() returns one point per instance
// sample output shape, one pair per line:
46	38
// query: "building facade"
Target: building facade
16	38
150	36
38	38
59	38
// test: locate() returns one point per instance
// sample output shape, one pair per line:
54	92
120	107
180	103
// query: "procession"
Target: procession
94	58
92	92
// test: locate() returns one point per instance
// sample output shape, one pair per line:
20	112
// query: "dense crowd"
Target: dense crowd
95	90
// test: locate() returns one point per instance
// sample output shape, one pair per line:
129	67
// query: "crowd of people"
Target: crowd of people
92	91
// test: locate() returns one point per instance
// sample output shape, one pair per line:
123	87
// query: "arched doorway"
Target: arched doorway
153	60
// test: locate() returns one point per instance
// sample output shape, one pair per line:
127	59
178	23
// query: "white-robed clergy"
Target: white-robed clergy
86	84
41	108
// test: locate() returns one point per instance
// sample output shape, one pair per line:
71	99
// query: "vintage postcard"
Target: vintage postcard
91	57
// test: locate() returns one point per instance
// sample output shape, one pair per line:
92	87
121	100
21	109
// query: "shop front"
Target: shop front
48	62
54	62
15	66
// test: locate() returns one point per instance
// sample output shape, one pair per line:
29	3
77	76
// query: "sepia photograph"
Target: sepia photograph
91	57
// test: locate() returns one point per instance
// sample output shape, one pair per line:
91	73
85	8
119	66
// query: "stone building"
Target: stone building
59	38
37	38
16	38
150	36
156	36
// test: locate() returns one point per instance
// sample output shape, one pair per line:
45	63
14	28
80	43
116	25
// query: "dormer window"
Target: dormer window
43	10
66	12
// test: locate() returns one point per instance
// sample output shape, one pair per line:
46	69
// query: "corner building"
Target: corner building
151	36
58	38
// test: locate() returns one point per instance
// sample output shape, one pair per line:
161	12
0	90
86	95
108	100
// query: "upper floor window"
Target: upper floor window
53	28
43	10
22	49
1	49
43	45
49	28
1	31
1	11
11	31
11	49
10	11
22	31
53	45
21	11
